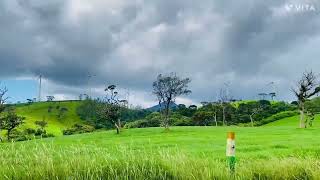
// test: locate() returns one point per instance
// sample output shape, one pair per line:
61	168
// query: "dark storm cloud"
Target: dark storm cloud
129	42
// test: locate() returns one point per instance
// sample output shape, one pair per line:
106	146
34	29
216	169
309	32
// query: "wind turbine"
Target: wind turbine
90	76
128	96
40	87
227	85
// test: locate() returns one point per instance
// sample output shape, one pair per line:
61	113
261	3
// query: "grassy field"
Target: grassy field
182	153
293	122
278	150
37	111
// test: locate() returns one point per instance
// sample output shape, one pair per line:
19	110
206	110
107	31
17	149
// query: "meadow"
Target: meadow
267	152
39	111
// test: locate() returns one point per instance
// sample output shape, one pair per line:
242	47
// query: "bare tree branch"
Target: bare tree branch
3	98
167	89
307	87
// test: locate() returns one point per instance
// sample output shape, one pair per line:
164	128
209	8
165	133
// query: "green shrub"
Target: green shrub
29	134
29	131
78	129
183	121
40	132
17	135
154	120
143	123
48	135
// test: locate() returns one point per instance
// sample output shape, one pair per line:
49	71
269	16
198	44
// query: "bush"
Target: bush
183	121
154	120
47	135
276	117
50	109
20	136
29	131
40	132
143	123
78	129
203	118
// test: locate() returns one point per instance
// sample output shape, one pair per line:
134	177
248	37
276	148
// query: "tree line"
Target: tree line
226	111
114	112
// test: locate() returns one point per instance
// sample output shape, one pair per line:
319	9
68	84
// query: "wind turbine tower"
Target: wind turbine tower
40	86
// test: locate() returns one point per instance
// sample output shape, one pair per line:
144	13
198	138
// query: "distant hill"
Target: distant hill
50	111
157	107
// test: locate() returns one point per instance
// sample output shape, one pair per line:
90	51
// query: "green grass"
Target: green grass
278	150
293	122
182	153
237	103
37	111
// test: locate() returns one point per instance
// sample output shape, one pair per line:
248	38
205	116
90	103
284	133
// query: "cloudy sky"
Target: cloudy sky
245	44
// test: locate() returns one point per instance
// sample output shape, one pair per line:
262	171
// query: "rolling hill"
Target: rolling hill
50	112
292	122
38	111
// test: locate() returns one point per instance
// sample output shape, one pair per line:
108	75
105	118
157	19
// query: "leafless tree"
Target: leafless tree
167	88
3	98
224	99
254	111
306	88
215	108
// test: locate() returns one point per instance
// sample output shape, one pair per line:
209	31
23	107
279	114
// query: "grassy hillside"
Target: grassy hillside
37	111
181	153
293	122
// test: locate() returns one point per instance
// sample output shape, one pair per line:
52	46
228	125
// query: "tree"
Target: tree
254	111
306	88
62	112
193	107
263	96
215	109
3	99
186	111
167	88
11	122
224	99
203	118
42	124
50	98
113	107
272	95
312	107
310	118
29	101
